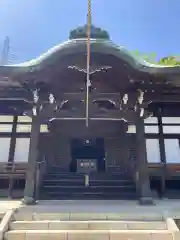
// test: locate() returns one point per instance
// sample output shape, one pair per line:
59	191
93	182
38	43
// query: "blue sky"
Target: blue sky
34	26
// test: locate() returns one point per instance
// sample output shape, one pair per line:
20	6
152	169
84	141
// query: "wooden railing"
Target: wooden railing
10	172
11	169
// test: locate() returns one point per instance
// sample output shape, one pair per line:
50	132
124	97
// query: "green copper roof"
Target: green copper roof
97	46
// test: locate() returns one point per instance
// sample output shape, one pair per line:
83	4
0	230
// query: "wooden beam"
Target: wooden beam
112	114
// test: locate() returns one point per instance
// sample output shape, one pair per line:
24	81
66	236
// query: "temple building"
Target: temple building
117	138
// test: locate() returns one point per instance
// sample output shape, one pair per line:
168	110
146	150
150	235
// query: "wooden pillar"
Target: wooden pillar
13	140
11	154
29	192
162	153
144	190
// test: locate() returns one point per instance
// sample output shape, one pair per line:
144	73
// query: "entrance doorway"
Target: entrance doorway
91	150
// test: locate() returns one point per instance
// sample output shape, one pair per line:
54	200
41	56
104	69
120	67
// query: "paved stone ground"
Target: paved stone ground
6	204
91	210
164	208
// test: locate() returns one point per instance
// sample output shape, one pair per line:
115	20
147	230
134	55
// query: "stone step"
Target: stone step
63	184
81	182
60	185
92	175
88	225
88	234
65	181
92	192
110	182
60	176
94	189
110	173
89	196
74	182
55	213
65	173
111	178
172	194
54	177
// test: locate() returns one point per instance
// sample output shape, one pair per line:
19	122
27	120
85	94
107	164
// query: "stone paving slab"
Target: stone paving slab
87	225
88	235
113	209
91	211
78	216
7	204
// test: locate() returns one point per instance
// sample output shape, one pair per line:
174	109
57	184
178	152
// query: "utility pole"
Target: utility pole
5	52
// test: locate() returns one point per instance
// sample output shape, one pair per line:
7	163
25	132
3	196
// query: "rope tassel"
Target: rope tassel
88	83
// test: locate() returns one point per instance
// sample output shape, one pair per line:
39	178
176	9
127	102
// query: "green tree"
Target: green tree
170	60
148	57
81	32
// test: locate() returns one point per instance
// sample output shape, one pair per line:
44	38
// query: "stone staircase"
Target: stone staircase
81	226
66	185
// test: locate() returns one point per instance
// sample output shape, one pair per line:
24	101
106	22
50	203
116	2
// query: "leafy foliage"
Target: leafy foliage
148	57
81	32
169	60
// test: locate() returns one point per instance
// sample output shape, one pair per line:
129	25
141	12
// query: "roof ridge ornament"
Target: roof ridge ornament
37	107
35	96
51	98
125	98
92	69
34	111
141	112
141	96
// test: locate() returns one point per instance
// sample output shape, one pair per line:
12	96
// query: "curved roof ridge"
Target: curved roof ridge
101	45
51	51
41	57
